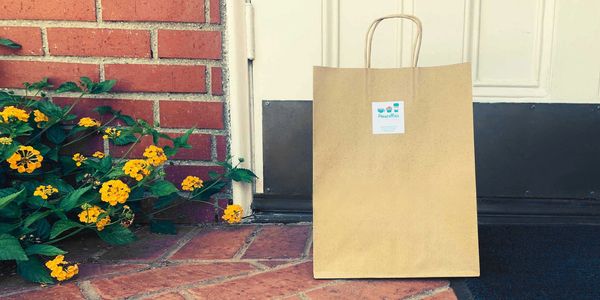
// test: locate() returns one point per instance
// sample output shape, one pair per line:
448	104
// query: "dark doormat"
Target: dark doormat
535	262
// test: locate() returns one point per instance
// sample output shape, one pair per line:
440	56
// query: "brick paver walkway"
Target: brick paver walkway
213	262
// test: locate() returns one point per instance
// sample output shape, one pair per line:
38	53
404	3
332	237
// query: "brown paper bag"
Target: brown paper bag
394	204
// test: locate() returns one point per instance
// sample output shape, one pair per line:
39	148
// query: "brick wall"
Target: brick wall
166	56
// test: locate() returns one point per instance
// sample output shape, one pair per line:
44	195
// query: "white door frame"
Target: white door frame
238	93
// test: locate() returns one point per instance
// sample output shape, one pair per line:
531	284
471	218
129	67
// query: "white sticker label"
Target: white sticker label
388	117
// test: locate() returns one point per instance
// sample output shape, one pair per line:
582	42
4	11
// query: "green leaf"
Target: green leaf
117	235
87	82
127	119
35	216
72	200
11	248
124	139
182	141
205	193
68	87
102	87
9	44
42	84
165	201
61	226
163	188
163	227
5	200
46	250
56	134
241	174
34	271
9	151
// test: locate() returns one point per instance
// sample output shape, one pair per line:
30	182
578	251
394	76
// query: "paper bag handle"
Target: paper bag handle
371	31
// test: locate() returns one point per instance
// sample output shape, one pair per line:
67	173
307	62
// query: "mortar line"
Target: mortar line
324	285
186	238
249	240
154	43
303	296
102	72
309	242
429	293
131	25
208	63
213	148
156	112
186	295
207	10
141	96
99	12
88	291
45	47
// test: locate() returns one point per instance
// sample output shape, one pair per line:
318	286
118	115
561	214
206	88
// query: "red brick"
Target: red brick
157	78
187	114
167	277
30	39
216	81
194	212
215	243
98	42
375	289
153	10
278	283
79	10
177	173
67	291
201	148
279	242
215	11
221	147
138	109
148	247
445	295
189	44
88	270
167	296
14	73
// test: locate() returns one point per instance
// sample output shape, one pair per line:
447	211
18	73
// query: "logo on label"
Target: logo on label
388	111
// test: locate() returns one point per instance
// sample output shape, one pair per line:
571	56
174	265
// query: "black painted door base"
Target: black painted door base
535	163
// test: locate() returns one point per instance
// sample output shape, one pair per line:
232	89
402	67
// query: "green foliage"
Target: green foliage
59	192
9	44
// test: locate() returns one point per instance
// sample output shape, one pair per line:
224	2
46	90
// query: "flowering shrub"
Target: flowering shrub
50	192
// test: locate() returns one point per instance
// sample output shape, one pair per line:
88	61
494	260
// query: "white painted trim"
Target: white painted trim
238	94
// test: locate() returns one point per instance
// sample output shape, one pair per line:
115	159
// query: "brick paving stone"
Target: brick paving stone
445	295
59	292
375	289
92	270
149	246
167	277
215	243
278	283
167	296
279	242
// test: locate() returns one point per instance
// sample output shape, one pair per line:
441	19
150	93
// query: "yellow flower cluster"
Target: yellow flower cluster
137	169
90	215
111	133
114	191
191	183
233	214
39	116
6	140
155	155
79	159
88	122
57	266
44	191
25	159
98	154
11	112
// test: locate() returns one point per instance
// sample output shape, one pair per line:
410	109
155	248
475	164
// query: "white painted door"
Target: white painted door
521	50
